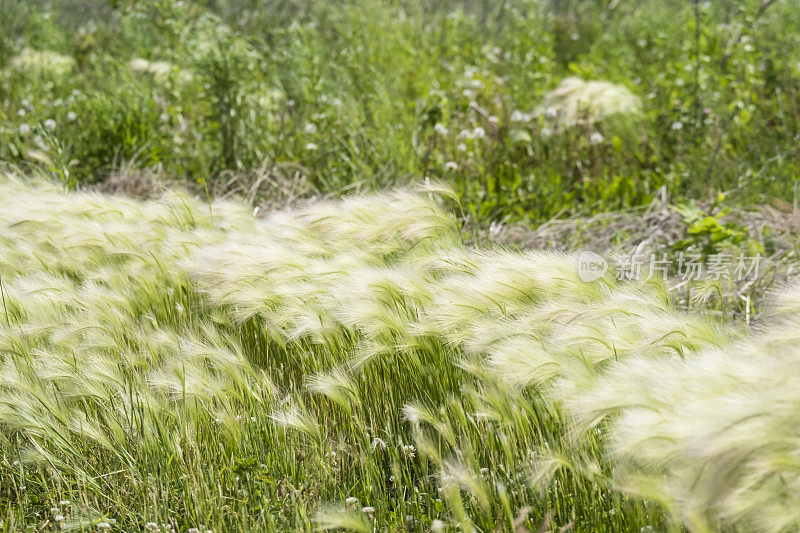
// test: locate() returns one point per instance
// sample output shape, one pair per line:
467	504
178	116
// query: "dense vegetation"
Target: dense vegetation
238	95
269	265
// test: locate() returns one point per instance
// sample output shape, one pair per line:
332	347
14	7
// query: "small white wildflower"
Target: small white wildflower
467	93
163	117
71	116
519	116
551	112
352	500
252	419
50	124
409	450
476	84
54	510
461	147
21	112
64	502
545	132
24	129
193	530
438	525
59	518
642	43
151	526
311	147
464	134
310	128
450	166
368	510
596	138
493	120
484	471
677	125
575	36
440	129
478	133
103	526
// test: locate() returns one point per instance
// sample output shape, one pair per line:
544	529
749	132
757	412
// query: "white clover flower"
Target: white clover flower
193	530
310	128
440	129
519	116
478	133
50	124
55	510
311	147
465	134
368	510
642	43
59	518
352	500
450	166
24	129
596	138
461	147
551	112
64	502
545	132
677	125
21	112
72	116
493	120
476	84
467	93
151	526
103	526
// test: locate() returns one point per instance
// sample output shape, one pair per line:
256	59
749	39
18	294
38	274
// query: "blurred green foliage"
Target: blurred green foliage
366	94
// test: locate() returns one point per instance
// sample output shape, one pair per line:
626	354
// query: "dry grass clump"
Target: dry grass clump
43	62
576	101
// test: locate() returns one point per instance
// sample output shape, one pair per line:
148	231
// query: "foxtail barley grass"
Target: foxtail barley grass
353	365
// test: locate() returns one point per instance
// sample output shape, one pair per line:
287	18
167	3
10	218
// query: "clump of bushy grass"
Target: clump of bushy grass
712	437
579	102
43	62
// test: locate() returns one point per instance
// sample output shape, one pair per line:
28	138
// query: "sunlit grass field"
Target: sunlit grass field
296	266
178	365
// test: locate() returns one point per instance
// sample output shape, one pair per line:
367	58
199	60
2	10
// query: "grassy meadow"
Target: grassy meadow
297	266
